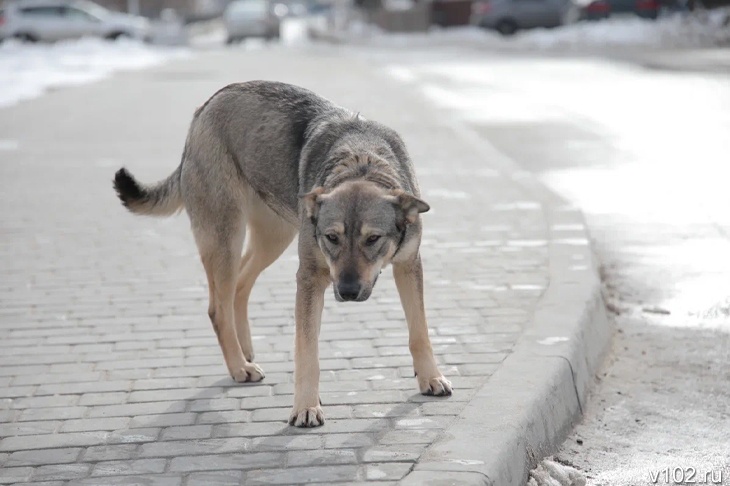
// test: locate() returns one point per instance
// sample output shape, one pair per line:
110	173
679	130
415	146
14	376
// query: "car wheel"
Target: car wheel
26	37
118	35
506	27
235	40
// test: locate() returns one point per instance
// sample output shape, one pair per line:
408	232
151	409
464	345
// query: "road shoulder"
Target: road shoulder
529	405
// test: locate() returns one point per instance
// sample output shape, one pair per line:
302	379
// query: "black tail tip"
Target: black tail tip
127	187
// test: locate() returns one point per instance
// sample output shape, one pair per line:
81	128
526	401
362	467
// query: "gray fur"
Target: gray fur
296	140
277	159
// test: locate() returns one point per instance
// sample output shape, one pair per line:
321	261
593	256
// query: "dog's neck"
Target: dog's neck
366	167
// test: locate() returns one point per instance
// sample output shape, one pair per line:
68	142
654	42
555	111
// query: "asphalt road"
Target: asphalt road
643	152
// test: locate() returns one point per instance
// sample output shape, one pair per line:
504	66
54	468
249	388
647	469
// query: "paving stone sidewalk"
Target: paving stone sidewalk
110	372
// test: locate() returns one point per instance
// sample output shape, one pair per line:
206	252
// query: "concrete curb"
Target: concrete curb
526	409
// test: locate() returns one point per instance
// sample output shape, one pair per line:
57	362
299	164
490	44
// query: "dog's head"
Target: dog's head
359	226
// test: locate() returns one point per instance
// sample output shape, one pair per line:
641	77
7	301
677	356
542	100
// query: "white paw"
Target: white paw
249	372
437	386
307	417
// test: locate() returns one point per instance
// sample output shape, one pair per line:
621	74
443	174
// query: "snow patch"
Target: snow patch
552	340
709	28
673	31
28	70
551	473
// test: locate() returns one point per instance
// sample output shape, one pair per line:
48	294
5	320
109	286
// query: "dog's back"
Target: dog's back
254	131
278	138
261	126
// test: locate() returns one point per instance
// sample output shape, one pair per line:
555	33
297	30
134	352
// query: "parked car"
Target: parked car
509	16
253	18
54	20
601	9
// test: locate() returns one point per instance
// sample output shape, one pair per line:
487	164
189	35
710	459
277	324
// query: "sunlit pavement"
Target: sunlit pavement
644	152
110	372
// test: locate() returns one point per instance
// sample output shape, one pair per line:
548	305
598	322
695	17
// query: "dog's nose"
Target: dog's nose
349	290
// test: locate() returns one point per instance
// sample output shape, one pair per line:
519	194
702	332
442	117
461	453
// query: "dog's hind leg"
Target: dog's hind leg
219	250
409	281
268	237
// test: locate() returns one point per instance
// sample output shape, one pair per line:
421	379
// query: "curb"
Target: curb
526	409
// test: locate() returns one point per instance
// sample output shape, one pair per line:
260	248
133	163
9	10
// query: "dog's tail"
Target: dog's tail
161	199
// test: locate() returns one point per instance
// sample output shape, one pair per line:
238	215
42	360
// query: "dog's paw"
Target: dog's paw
249	372
307	417
437	386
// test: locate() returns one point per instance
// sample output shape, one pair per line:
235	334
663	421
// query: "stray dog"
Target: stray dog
267	160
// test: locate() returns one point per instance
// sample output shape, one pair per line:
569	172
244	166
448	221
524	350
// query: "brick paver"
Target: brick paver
109	370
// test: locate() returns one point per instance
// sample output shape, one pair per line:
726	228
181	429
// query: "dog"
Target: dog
266	160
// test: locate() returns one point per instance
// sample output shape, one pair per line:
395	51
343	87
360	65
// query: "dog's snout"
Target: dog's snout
349	287
349	291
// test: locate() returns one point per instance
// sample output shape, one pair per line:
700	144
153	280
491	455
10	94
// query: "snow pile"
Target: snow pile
27	70
671	31
680	30
551	473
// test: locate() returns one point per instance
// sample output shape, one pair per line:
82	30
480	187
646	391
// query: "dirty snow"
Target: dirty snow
673	31
551	473
680	30
28	70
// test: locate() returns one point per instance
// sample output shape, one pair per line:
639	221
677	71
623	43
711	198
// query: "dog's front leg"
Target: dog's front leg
409	280
311	285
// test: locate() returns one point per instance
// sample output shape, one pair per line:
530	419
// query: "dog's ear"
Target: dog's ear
409	204
312	202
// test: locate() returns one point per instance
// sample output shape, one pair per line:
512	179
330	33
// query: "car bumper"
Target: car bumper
485	22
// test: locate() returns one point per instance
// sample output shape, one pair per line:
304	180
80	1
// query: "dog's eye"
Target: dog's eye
332	238
372	239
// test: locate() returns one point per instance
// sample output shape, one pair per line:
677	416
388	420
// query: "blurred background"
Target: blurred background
180	22
69	41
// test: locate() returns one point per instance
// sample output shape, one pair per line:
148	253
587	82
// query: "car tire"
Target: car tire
118	35
26	37
506	27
